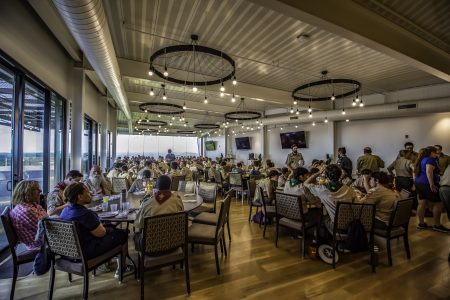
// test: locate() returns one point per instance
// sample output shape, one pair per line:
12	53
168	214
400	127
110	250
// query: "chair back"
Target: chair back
255	177
223	214
251	186
218	178
10	232
236	179
164	233
187	186
208	191
402	213
347	212
118	184
62	238
288	206
175	181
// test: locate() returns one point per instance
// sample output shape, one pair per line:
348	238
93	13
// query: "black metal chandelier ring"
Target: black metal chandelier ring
149	130
192	48
151	123
206	126
243	115
355	84
162	108
185	131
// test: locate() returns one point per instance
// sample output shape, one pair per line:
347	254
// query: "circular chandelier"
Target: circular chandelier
326	89
206	126
193	65
151	123
161	108
242	114
185	131
141	130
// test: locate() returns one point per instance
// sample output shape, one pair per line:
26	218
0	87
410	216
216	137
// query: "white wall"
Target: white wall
387	136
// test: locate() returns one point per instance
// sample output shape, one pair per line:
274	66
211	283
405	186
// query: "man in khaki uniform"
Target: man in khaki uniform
294	159
369	161
443	159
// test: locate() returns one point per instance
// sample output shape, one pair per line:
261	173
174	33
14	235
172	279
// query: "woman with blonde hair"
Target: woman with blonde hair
426	180
27	212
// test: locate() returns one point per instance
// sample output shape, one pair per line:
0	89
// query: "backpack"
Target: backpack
356	240
258	217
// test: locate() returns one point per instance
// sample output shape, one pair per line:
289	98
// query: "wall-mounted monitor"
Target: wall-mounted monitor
210	145
290	138
243	143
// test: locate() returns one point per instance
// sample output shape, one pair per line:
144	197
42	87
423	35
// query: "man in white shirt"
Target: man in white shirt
444	190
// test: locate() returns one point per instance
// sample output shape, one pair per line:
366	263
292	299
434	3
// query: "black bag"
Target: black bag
356	240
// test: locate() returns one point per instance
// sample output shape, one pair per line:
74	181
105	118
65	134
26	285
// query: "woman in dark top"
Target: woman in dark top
96	239
426	171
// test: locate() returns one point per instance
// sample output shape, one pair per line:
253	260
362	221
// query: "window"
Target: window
108	149
89	145
57	139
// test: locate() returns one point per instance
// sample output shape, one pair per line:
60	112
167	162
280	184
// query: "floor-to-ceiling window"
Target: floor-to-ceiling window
57	138
89	145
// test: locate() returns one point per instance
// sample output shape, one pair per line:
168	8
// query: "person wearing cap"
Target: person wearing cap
55	199
161	202
294	159
369	161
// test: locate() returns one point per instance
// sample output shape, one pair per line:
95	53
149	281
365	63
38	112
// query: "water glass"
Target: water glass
113	207
125	207
105	198
104	206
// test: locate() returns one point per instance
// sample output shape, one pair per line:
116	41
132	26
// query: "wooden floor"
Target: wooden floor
255	269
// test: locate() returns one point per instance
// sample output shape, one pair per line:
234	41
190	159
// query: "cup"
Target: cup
113	207
105	198
104	206
125	207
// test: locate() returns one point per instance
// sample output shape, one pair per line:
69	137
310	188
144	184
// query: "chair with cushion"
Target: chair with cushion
18	258
268	210
251	187
398	226
119	184
175	182
289	214
237	184
255	177
164	243
67	255
208	192
187	187
347	212
219	181
211	235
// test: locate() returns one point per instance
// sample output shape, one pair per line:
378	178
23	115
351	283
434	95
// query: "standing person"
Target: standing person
402	169
409	152
294	159
444	190
369	161
426	171
170	157
55	199
443	159
344	162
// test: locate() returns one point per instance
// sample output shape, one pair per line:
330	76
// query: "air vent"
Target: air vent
293	118
407	106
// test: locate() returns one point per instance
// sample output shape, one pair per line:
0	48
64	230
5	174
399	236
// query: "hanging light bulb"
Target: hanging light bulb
184	105
281	128
310	115
166	74
194	89
222	88
182	118
353	102
173	118
222	94
296	126
146	111
343	111
150	73
164	96
170	123
297	112
233	99
292	110
206	100
234	80
159	126
361	104
295	102
326	120
313	123
159	116
357	98
333	97
347	120
185	124
309	109
152	93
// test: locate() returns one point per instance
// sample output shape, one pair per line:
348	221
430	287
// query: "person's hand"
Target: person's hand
433	188
413	188
322	168
366	177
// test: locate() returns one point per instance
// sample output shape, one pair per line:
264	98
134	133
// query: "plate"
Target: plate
96	208
189	195
326	254
189	201
108	214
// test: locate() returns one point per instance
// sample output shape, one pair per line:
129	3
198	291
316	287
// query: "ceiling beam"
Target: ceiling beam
356	23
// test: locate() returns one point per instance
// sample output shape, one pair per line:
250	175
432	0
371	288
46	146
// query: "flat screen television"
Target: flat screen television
243	143
210	145
290	138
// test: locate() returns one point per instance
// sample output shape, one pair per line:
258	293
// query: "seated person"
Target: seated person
185	171
224	171
238	169
345	178
174	169
27	212
332	192
96	183
115	171
95	238
269	186
212	171
256	168
140	183
161	202
359	182
283	178
124	173
155	170
55	199
147	166
383	196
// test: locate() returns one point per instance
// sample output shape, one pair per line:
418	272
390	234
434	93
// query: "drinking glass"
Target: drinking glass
125	207
113	207
104	206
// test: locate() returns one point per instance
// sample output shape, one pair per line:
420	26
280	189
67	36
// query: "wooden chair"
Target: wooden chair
211	235
219	181
269	211
188	187
289	214
251	187
13	241
119	184
67	255
398	226
164	243
208	191
347	212
237	184
175	182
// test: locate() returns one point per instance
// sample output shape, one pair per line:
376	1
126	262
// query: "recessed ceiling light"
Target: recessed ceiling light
303	37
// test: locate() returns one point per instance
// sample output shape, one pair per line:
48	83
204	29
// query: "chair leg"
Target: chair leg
13	286
276	235
250	212
406	243
192	247
217	260
229	231
334	254
186	272
304	242
85	286
260	219
224	245
373	257
265	225
221	246
51	282
141	275
389	252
